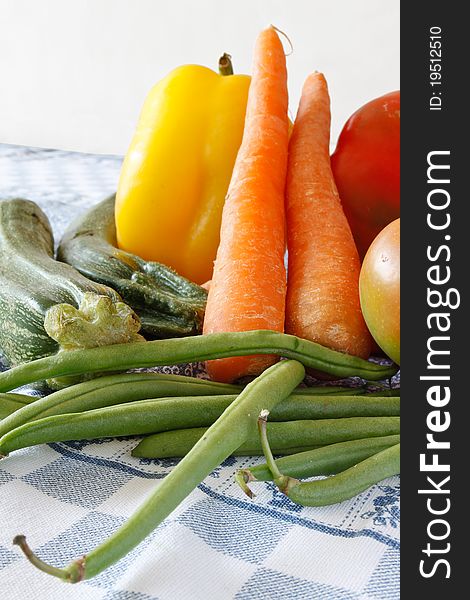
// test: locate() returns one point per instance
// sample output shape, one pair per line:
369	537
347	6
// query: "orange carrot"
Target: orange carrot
323	275
248	287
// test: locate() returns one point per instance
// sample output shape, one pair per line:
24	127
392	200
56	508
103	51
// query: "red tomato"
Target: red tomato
366	167
379	288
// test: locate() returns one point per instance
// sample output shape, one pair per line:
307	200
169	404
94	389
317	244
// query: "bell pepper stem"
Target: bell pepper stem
225	64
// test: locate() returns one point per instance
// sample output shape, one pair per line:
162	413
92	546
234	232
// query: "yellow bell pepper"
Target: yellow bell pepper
177	170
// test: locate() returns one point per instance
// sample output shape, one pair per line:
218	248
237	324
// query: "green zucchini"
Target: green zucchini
45	305
168	304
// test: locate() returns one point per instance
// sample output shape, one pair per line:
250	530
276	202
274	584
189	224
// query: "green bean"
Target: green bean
348	483
334	489
162	414
10	403
284	436
120	357
331	407
229	431
128	387
327	460
111	390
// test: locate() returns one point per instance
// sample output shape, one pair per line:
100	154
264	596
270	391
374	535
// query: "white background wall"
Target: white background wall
74	73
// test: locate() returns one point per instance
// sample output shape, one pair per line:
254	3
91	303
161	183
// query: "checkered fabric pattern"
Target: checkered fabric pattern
69	497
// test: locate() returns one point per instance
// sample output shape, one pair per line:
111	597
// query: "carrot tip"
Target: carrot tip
284	34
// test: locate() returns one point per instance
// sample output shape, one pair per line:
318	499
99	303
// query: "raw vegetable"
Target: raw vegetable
163	414
345	485
168	305
380	289
111	390
176	172
129	387
225	435
327	460
182	350
286	437
323	275
31	282
366	166
248	285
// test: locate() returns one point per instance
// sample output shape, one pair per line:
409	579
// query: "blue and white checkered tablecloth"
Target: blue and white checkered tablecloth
218	544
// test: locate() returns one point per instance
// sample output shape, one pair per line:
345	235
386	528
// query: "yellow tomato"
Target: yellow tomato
379	286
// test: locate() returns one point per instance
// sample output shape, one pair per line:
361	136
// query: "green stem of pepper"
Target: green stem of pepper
286	437
225	64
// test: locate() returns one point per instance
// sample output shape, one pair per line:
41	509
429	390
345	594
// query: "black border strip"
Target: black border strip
427	129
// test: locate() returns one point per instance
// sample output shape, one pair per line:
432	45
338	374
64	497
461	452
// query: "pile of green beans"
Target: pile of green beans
327	460
111	390
230	430
55	421
354	479
327	430
191	415
107	391
121	357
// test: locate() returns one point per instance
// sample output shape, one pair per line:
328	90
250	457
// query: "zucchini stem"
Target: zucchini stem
98	321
